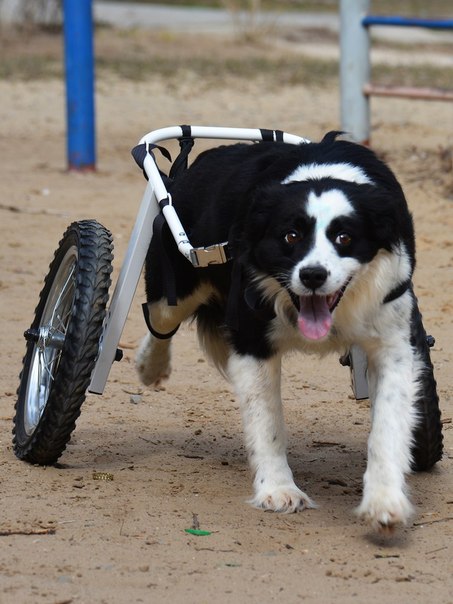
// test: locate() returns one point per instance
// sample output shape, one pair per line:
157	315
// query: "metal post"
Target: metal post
354	69
79	65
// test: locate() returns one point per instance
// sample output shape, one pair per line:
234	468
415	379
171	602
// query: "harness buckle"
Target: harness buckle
202	257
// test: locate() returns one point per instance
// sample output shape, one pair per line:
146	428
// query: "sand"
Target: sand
176	455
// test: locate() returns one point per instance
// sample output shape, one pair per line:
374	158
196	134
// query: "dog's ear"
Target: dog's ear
389	218
252	220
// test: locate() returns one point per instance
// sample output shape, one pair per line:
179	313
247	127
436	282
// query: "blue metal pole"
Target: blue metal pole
398	21
79	66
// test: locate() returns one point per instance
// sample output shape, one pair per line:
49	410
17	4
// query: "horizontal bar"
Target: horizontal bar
215	132
409	92
397	21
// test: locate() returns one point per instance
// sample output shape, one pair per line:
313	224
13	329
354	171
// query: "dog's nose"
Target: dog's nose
313	276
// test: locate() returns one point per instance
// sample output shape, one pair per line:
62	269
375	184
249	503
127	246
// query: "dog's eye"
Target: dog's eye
292	237
343	239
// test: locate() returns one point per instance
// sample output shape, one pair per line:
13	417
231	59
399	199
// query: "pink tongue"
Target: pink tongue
314	318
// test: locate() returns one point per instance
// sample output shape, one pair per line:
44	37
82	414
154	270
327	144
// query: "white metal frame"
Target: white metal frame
141	236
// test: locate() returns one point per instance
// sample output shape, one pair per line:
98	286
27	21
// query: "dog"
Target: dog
322	254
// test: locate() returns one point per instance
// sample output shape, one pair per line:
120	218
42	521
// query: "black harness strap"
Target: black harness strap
139	153
168	274
231	316
263	309
271	135
186	143
397	291
156	334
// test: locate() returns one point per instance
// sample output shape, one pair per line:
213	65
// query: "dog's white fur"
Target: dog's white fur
392	374
339	171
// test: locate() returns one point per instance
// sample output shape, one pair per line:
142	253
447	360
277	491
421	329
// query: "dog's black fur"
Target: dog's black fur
234	193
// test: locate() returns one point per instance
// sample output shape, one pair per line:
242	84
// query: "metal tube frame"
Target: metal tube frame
140	240
398	21
141	236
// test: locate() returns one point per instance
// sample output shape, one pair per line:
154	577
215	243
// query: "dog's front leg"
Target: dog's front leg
257	383
153	361
392	375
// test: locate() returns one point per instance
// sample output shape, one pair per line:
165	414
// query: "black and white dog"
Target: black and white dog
322	253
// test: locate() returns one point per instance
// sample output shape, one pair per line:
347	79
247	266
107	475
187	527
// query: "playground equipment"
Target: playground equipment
79	67
355	67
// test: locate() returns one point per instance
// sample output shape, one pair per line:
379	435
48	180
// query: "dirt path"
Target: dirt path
176	453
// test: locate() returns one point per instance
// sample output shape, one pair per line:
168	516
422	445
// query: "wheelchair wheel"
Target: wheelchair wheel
63	343
427	447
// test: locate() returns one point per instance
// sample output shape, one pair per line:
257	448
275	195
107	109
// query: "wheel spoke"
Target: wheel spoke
61	325
48	366
62	303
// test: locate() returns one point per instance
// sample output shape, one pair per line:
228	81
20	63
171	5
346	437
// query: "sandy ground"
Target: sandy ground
176	453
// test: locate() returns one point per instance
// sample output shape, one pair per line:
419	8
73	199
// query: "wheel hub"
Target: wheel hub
44	337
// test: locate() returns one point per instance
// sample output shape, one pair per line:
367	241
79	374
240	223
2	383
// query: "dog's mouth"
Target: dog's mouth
315	313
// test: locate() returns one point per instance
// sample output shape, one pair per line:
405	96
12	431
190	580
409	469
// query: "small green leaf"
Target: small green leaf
197	532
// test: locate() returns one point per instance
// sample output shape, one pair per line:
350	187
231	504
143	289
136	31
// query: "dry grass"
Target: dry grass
140	55
419	8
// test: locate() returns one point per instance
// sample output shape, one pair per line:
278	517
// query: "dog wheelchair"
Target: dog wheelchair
74	337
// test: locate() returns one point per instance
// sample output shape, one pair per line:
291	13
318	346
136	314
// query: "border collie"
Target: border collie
322	253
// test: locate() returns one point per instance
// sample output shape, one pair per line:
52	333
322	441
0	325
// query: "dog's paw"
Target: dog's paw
384	509
153	361
285	499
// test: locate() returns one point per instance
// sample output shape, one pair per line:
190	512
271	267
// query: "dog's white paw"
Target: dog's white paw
385	508
153	361
285	499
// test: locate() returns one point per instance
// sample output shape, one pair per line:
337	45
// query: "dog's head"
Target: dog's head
316	229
